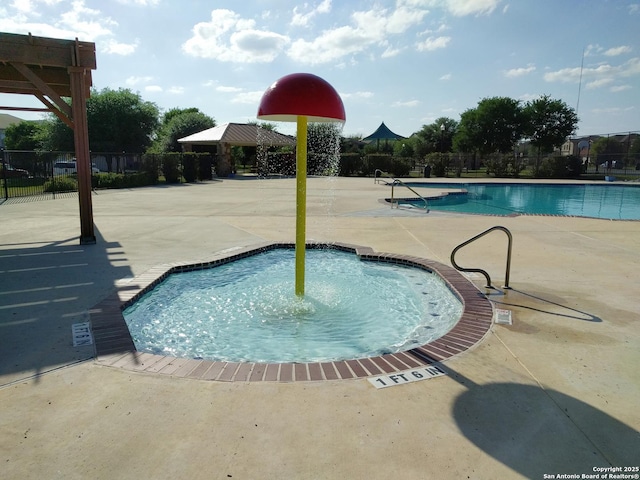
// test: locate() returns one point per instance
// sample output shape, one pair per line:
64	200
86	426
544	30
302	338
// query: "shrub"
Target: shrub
121	180
205	166
150	165
439	163
504	166
375	162
189	167
171	167
560	167
350	163
400	167
61	184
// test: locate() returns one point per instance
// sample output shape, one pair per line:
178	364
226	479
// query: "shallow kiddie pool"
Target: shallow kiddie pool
246	310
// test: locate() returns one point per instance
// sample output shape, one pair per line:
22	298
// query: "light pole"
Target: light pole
442	128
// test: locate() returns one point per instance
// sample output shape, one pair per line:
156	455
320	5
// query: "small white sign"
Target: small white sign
81	333
407	376
502	316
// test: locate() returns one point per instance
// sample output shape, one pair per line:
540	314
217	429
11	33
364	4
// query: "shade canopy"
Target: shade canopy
301	94
383	133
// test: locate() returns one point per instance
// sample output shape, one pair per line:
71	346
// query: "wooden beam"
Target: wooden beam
43	87
25	109
47	52
53	109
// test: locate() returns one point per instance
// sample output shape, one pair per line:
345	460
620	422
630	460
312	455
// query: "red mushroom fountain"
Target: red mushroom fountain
301	98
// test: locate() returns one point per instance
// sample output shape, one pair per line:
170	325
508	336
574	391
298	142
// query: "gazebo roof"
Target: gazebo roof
240	134
383	133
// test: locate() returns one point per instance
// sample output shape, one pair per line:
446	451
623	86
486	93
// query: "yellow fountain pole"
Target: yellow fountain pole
301	201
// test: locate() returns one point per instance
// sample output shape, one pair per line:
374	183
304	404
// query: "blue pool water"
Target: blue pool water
246	310
617	202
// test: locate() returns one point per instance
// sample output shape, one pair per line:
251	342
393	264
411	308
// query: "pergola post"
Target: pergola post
83	159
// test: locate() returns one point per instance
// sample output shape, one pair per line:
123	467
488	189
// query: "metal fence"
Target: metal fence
31	173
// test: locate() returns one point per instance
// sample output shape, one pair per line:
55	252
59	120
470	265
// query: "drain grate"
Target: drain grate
502	317
81	333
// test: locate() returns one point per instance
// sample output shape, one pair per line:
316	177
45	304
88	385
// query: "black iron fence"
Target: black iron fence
44	174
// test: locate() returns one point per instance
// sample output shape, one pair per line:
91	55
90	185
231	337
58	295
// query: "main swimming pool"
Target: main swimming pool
616	202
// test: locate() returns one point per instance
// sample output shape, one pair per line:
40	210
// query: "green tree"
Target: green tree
176	124
494	126
118	120
548	124
435	137
26	135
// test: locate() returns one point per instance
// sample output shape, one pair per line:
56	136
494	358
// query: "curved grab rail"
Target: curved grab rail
400	182
376	177
479	270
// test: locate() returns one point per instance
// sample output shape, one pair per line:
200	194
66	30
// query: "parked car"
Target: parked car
11	172
70	168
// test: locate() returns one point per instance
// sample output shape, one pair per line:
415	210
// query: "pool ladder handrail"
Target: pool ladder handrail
397	181
479	270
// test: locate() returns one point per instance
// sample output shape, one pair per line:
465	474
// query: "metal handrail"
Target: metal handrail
400	182
479	270
396	181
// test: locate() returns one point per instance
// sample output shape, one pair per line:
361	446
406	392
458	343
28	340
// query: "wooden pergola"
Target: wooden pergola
51	70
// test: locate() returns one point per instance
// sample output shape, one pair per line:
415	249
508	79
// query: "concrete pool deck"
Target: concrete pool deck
554	393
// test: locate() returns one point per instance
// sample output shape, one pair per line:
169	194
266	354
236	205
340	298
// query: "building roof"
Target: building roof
6	120
383	133
240	134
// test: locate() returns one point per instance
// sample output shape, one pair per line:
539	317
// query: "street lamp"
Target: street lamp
442	127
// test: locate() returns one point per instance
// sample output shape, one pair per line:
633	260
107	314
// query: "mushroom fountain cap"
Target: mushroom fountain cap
301	94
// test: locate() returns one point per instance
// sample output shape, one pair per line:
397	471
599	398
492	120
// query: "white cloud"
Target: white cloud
519	72
357	95
303	19
230	38
462	8
433	43
76	20
142	3
612	52
601	82
176	90
224	89
390	52
368	28
117	48
446	76
620	88
249	98
410	103
572	75
153	88
137	80
634	8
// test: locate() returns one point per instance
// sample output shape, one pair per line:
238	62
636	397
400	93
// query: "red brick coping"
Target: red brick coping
114	346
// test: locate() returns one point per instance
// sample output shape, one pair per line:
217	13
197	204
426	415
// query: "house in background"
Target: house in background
5	121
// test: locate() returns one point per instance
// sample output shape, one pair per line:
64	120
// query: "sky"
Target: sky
404	62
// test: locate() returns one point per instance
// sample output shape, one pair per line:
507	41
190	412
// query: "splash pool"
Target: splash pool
245	311
613	202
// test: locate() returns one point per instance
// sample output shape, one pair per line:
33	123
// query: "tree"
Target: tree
435	137
495	125
118	120
176	124
548	124
26	135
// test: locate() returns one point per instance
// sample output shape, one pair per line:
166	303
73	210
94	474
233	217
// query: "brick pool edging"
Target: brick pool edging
114	346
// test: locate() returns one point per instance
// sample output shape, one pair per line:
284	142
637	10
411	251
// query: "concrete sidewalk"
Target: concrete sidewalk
555	393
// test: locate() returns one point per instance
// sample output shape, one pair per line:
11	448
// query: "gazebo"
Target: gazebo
382	133
228	135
